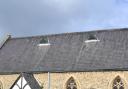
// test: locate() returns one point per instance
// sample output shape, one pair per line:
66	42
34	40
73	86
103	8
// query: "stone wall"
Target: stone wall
8	80
84	80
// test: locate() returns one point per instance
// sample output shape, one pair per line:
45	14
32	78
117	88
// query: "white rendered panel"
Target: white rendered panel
19	82
24	82
27	87
15	87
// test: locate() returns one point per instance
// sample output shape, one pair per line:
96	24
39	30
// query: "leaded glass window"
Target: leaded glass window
71	84
118	83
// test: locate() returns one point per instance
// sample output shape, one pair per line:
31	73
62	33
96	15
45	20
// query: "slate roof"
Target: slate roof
68	52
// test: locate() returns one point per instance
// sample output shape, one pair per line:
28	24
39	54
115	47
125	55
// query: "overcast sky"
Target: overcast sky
36	17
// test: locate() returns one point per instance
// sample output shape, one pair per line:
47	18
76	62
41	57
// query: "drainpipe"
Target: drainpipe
49	82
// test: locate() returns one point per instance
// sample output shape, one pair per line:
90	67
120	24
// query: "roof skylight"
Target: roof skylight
91	38
44	41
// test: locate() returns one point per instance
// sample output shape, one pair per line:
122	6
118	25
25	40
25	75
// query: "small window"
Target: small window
118	83
71	84
91	38
44	41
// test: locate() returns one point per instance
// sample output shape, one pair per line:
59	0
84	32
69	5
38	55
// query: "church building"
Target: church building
78	60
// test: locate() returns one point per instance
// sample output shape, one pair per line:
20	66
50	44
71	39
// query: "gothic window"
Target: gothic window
71	84
1	87
21	84
118	83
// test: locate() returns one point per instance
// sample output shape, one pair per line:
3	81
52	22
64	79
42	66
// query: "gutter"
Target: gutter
70	71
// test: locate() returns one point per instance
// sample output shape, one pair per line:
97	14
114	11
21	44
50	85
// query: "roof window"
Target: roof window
44	42
92	38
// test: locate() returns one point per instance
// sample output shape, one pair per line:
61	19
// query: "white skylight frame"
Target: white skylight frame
93	39
89	41
46	44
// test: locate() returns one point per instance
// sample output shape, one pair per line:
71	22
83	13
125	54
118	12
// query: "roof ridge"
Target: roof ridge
105	30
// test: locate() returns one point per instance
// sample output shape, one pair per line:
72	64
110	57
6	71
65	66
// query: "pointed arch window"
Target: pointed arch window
71	84
118	83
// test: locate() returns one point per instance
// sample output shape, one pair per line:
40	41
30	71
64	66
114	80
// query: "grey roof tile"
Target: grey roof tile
67	52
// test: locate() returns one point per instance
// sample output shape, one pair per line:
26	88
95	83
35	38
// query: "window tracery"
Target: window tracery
71	84
118	83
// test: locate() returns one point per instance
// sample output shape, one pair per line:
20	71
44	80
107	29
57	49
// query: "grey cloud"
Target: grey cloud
32	17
